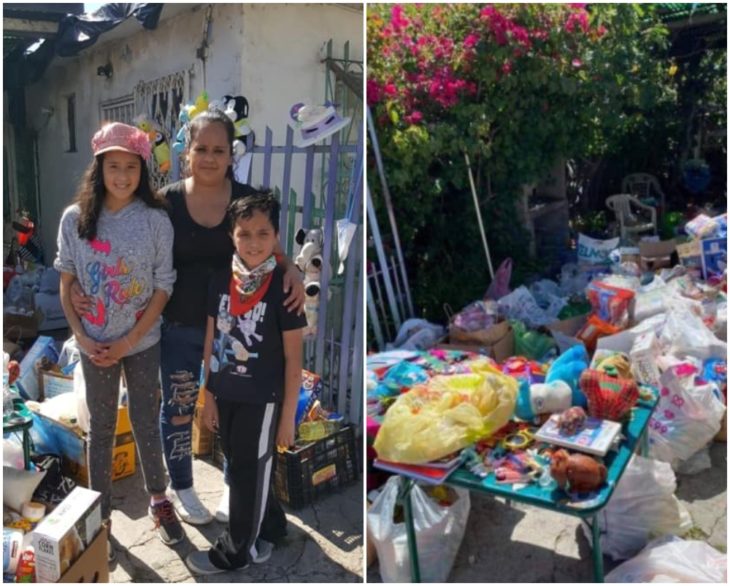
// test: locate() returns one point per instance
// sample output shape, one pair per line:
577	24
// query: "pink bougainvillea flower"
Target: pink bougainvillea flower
434	89
577	20
373	92
390	90
471	40
576	62
506	67
487	12
397	20
414	117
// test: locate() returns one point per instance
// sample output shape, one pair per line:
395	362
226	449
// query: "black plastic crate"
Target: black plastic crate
305	473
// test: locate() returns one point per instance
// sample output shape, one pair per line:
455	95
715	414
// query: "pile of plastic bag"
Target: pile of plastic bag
636	318
643	505
446	414
671	559
439	526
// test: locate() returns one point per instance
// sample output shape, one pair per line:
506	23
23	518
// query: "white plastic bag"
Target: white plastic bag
544	291
671	559
685	334
573	280
651	302
520	305
70	354
13	452
594	251
417	334
720	326
684	421
439	531
643	505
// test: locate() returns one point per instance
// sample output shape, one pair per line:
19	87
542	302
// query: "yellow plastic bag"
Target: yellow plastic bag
447	414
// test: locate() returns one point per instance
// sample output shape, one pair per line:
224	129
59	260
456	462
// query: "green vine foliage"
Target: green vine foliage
515	86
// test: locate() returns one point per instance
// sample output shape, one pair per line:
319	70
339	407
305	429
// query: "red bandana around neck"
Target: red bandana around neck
240	304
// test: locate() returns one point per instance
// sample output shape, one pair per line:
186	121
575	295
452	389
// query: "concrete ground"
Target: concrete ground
519	543
325	541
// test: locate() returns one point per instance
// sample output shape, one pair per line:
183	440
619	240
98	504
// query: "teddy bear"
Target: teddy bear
309	261
577	472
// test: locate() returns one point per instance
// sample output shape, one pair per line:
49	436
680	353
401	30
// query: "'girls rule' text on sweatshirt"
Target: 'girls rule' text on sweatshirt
130	257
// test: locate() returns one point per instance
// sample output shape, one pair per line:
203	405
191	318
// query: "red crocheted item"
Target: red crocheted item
608	397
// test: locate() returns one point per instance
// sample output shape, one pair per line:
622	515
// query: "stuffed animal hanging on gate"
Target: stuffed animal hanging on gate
158	142
309	261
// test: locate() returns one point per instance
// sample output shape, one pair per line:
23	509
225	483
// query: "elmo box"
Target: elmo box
62	536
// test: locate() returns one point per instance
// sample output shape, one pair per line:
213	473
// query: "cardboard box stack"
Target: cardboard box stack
63	536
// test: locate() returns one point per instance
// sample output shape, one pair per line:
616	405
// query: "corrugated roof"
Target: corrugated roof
677	11
41	10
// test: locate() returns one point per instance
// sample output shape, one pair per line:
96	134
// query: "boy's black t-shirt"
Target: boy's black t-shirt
247	364
198	253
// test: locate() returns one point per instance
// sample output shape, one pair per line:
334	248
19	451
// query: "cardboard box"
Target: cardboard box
564	331
690	255
54	383
486	337
630	254
92	566
202	441
62	536
71	441
656	255
500	348
644	353
570	326
714	257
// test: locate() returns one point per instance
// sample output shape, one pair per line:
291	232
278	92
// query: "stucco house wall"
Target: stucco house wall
269	53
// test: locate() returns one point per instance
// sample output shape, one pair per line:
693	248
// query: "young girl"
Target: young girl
116	239
202	246
253	363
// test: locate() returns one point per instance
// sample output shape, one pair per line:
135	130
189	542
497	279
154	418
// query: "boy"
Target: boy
250	389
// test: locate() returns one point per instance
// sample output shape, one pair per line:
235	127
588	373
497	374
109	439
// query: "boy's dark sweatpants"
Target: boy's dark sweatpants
247	432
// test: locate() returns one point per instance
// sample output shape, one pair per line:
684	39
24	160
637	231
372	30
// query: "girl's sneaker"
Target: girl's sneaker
188	506
167	524
221	513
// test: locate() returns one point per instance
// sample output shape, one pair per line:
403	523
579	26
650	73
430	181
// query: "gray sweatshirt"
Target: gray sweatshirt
130	257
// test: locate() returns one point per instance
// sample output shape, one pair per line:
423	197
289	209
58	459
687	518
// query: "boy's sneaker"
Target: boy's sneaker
200	564
263	551
188	506
221	513
167	524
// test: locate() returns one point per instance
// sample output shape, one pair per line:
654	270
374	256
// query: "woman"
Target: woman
201	247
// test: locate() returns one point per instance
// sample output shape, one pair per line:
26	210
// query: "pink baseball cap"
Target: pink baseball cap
121	137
